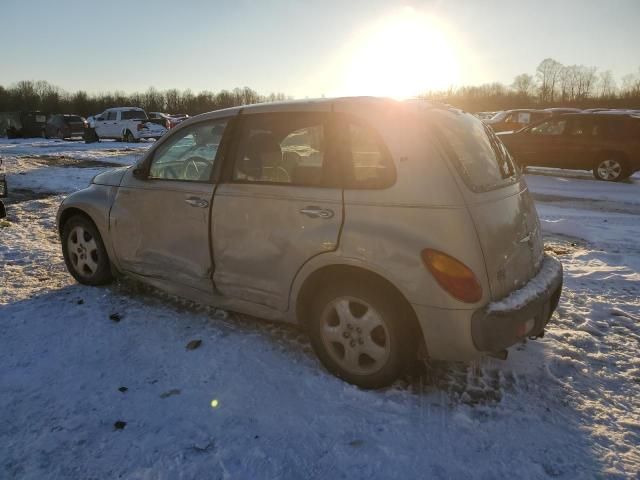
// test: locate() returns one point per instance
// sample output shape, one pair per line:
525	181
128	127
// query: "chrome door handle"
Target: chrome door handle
317	212
197	202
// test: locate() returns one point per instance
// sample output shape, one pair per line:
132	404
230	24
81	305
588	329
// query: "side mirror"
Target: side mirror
140	172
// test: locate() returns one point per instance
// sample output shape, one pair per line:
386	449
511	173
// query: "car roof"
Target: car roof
318	104
123	109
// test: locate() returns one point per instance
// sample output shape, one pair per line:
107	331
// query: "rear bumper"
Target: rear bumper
523	313
460	335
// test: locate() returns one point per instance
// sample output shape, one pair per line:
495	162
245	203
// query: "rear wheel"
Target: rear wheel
84	252
361	333
611	168
128	137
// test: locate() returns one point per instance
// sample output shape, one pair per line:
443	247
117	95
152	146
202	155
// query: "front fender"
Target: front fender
95	201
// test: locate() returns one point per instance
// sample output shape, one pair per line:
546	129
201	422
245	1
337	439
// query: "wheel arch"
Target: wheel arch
602	154
69	212
302	297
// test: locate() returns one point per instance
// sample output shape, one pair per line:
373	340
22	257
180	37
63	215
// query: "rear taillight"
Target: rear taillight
140	126
453	275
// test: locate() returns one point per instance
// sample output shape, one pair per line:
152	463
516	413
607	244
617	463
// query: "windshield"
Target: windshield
477	153
134	114
499	116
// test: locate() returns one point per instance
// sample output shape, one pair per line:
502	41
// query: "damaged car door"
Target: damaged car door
160	216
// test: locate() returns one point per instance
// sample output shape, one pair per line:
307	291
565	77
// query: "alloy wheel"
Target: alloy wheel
609	170
83	252
355	335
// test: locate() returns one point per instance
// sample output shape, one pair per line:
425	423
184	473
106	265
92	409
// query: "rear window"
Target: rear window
73	118
134	115
478	155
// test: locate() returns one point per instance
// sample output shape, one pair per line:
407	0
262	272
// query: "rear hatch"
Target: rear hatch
497	197
75	123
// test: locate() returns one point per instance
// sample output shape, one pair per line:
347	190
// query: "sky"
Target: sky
308	49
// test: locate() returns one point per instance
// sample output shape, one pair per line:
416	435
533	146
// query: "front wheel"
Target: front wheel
84	252
361	333
611	169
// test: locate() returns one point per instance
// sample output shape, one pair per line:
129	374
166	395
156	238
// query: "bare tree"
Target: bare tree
523	85
607	84
631	85
548	73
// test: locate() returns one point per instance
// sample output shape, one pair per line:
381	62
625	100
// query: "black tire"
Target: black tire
396	331
129	138
88	265
611	168
90	135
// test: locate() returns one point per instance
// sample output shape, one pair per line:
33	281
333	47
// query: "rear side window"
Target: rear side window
369	164
585	127
478	155
283	148
134	114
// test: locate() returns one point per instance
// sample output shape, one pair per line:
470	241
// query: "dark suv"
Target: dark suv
22	124
609	145
65	126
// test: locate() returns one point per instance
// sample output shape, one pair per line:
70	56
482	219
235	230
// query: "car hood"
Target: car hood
110	178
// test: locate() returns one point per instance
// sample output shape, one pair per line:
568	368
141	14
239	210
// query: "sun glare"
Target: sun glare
401	56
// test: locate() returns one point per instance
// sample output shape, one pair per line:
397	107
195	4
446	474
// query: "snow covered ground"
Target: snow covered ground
253	402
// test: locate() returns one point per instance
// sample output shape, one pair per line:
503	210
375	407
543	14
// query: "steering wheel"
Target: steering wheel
193	171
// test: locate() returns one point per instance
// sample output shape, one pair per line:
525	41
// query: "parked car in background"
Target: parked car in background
270	213
180	117
129	124
561	110
607	144
23	124
160	118
65	126
168	121
485	115
512	120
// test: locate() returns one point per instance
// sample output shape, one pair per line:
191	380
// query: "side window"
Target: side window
584	127
550	127
282	148
371	165
524	117
111	116
189	154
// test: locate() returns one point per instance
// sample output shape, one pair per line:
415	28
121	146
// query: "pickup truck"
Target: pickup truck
128	124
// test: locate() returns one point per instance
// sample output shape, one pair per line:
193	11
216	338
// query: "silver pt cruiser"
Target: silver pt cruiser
386	229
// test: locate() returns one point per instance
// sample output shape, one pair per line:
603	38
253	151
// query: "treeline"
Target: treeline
552	85
41	95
